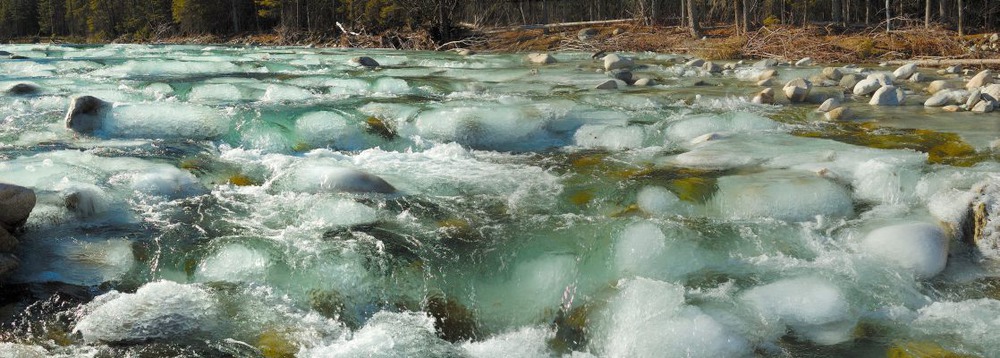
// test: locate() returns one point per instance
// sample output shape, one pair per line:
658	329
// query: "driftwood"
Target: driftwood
556	25
949	62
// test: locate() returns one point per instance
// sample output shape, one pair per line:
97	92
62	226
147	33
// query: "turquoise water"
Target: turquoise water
232	204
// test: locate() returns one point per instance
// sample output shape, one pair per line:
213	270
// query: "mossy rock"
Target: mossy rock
276	344
581	197
571	329
921	350
695	189
453	321
242	180
380	127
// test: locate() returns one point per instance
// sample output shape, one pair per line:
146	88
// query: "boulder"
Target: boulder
22	89
86	113
766	63
8	263
905	71
7	241
587	33
544	58
837	114
767	74
883	78
939	85
364	61
621	74
980	79
991	92
465	52
951	108
618	31
866	86
984	106
943	98
614	61
797	90
953	69
16	203
919	248
805	61
766	82
730	66
850	80
644	82
974	97
765	96
711	67
832	73
887	96
695	63
918	77
828	105
611	84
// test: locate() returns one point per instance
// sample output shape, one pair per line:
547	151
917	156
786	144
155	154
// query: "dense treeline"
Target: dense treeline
137	20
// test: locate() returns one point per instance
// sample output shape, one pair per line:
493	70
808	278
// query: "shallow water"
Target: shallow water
235	204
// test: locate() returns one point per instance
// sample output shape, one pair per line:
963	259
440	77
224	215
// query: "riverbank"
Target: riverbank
827	44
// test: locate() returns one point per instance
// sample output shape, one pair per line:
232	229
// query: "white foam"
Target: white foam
657	200
389	334
609	137
160	310
643	249
167	181
784	196
527	342
976	320
886	180
215	93
534	289
919	248
286	93
685	130
390	86
14	350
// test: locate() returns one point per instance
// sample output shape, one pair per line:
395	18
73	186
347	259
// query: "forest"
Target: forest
149	20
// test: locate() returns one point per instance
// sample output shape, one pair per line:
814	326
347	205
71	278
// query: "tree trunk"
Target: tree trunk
868	10
941	12
927	14
683	13
736	17
887	17
745	25
837	11
693	19
960	33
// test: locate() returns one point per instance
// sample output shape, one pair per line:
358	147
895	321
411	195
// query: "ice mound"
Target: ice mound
482	127
331	212
812	307
165	120
215	93
167	181
683	131
920	248
390	86
158	90
84	199
610	137
319	176
322	129
657	200
781	195
886	180
160	310
534	289
387	335
167	68
649	318
527	342
285	93
642	249
235	263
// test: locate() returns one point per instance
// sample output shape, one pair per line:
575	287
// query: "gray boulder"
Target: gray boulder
883	78
980	79
22	89
695	63
832	73
991	92
16	203
85	114
805	61
866	86
586	34
936	86
850	80
364	61
797	90
984	106
766	63
621	74
767	74
765	96
611	84
711	67
918	77
943	98
541	58
644	82
953	69
887	96
829	105
905	71
975	95
836	114
614	61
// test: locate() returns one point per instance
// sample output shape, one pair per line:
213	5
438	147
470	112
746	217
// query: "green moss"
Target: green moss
941	147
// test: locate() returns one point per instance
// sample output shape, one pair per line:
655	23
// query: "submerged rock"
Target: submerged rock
695	63
837	114
919	248
541	58
644	82
610	84
767	74
812	307
22	89
829	105
161	310
766	96
86	114
887	96
797	90
621	74
364	61
850	80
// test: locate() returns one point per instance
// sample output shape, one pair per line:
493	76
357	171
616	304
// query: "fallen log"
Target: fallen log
949	62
